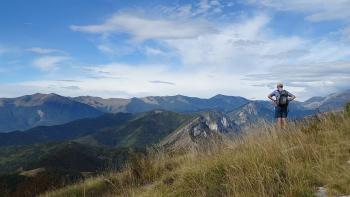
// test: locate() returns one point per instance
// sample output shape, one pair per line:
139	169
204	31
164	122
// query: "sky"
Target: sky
137	48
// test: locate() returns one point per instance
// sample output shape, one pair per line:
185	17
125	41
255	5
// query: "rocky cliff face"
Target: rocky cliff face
256	112
205	129
252	113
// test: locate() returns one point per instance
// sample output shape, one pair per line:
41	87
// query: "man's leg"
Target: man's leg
278	116
279	122
284	117
284	123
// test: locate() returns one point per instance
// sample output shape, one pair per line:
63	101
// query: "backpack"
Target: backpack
282	99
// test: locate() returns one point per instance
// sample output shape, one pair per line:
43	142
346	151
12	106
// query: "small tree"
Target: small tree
347	109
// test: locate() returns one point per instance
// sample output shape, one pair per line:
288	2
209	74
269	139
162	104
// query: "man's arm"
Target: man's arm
291	96
270	96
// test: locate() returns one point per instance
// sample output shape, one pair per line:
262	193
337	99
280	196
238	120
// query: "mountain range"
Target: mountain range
29	111
178	103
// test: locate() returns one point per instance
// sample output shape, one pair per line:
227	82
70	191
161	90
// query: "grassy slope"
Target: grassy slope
264	162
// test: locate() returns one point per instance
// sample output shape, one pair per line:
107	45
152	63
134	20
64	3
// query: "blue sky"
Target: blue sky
112	48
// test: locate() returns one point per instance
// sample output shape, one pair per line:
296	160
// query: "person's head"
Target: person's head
279	86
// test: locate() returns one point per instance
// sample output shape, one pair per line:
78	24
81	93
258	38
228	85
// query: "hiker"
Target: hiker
281	101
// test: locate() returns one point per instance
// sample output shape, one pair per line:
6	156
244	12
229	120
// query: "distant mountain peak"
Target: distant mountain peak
315	99
219	95
41	109
40	99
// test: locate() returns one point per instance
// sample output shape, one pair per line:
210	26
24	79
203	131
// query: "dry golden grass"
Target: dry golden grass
265	161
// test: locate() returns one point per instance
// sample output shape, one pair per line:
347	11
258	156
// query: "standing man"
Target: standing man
281	101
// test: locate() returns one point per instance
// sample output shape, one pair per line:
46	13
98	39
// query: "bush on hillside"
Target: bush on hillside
347	109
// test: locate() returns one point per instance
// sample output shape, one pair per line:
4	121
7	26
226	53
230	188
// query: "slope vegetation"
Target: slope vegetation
262	162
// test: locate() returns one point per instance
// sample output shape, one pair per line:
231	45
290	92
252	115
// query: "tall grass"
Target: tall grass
265	161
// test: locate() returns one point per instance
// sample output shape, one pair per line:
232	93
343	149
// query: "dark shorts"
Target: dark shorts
281	112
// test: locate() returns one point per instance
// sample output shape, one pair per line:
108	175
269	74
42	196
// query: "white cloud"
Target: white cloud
123	80
162	82
109	48
141	28
184	11
309	79
105	48
316	10
195	9
151	51
237	46
40	50
49	62
204	6
207	7
127	80
217	57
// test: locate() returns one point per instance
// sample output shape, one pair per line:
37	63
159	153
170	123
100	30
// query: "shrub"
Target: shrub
347	109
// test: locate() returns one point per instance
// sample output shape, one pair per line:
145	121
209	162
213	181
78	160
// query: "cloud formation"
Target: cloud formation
206	47
141	28
247	49
316	10
123	80
162	82
40	50
47	63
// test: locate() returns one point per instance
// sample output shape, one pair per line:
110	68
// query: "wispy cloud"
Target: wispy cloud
49	62
316	10
162	82
142	27
200	8
109	48
202	83
71	87
152	51
40	50
211	6
67	80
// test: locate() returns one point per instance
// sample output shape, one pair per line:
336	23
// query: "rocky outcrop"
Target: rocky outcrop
206	129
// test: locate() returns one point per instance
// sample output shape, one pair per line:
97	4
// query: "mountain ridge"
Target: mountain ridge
177	103
28	111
